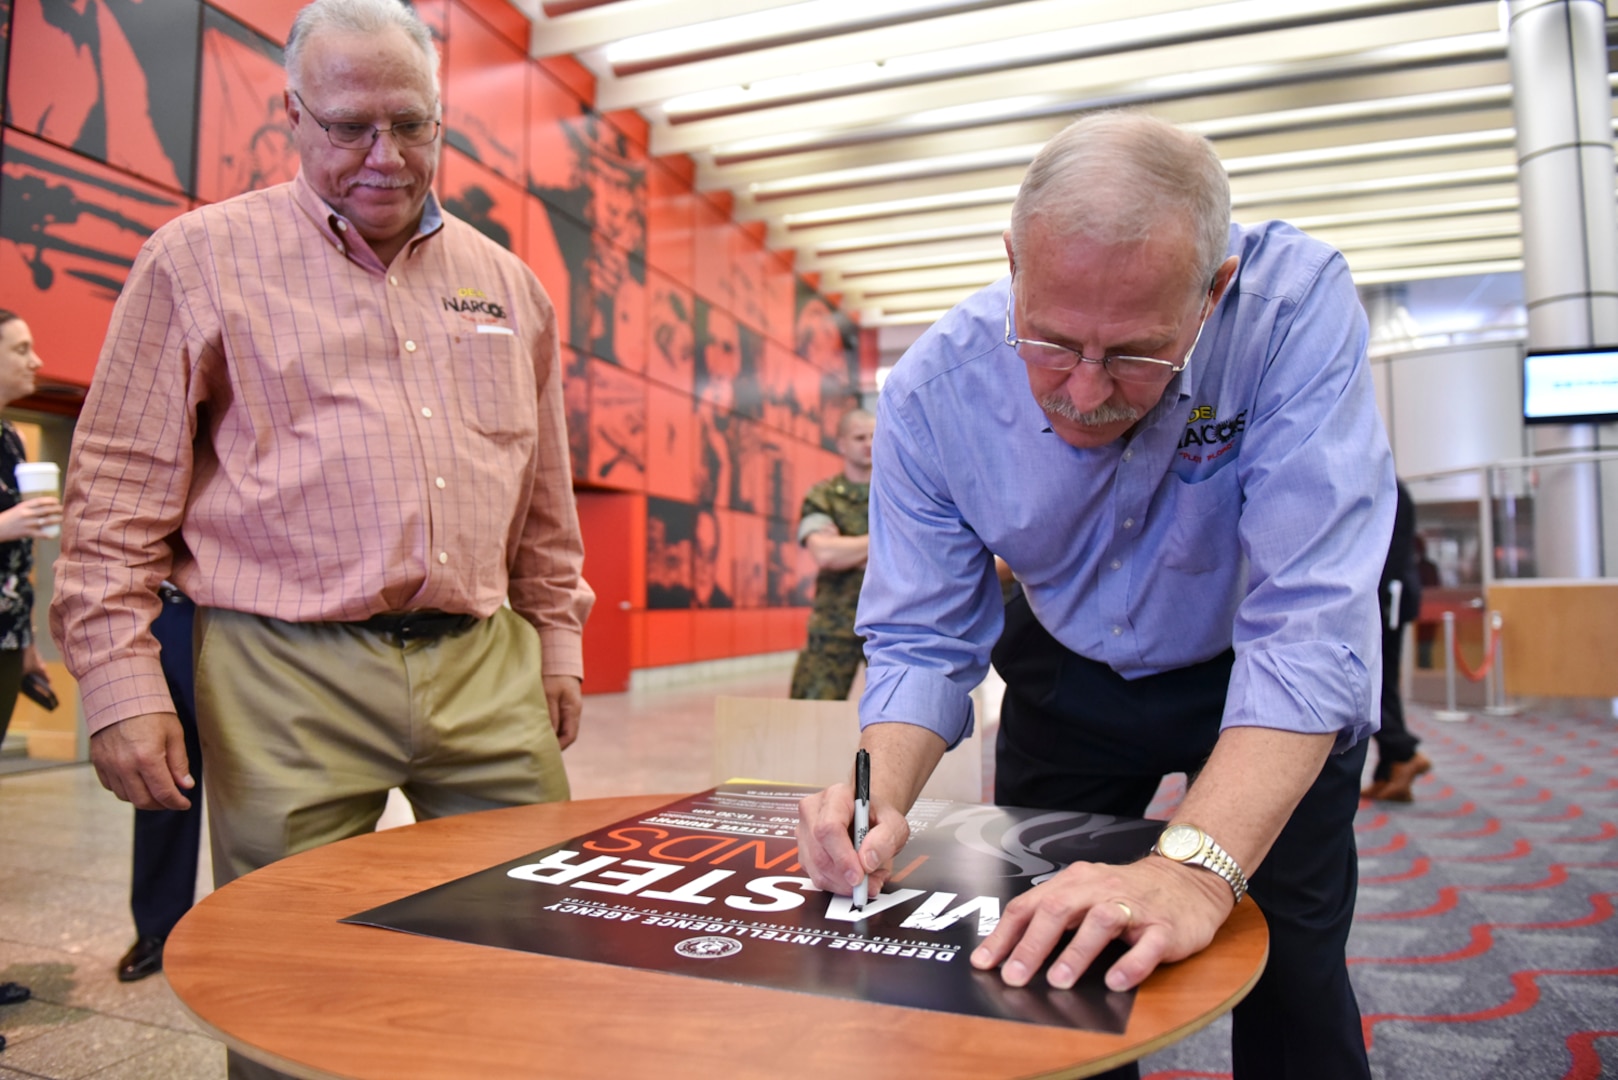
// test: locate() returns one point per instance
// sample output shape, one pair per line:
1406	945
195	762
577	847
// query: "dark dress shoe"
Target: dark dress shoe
14	993
144	958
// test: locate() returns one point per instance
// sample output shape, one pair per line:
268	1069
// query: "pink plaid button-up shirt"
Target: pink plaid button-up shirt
281	425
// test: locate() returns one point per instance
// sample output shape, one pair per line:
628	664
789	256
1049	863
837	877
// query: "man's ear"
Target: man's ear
1221	280
1011	255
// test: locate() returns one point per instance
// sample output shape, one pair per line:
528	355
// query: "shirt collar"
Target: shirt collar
340	232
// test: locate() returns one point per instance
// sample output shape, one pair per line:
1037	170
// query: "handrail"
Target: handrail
1575	457
1488	476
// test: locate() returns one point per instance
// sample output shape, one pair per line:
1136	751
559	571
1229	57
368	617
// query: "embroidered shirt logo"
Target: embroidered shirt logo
1214	437
474	305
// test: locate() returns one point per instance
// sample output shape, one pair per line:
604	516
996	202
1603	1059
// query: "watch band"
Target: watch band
1185	843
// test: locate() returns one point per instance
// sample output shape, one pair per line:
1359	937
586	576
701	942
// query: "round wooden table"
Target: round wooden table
264	965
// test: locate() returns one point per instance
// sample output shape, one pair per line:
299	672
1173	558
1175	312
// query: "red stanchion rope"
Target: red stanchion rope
1488	657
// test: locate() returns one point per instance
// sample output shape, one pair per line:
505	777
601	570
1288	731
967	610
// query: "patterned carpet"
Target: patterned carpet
1485	943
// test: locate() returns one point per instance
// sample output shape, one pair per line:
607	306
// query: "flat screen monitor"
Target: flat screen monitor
1570	386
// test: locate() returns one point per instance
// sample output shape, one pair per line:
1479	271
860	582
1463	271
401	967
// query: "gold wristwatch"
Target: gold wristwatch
1190	845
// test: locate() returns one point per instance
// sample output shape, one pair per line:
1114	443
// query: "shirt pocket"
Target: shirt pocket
497	386
1202	534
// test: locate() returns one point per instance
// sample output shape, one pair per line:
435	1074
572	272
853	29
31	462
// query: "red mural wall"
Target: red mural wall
704	378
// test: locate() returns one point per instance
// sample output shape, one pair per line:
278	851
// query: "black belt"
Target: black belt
410	625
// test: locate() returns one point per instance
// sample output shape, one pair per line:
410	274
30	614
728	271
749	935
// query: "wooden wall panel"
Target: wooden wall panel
1559	637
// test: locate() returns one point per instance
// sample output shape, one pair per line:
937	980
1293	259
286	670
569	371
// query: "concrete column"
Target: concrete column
1562	107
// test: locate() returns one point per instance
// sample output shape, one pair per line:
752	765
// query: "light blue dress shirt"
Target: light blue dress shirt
1251	507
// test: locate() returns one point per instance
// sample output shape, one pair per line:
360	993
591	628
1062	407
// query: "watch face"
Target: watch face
1180	842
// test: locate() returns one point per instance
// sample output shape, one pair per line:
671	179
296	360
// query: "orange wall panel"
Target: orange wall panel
712	635
71	229
485	83
568	72
637	639
504	18
786	628
752	632
243	143
670	334
116	84
670	429
617	423
669	638
484	199
749	562
272	18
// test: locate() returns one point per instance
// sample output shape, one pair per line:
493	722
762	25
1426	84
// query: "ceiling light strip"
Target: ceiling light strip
778	28
1017	54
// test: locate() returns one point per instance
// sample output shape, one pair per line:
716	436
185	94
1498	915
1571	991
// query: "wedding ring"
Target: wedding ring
1129	915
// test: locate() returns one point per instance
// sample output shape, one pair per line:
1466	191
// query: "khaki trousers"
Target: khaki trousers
305	727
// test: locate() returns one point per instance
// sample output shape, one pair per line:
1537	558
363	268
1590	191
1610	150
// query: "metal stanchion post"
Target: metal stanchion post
1449	712
1498	705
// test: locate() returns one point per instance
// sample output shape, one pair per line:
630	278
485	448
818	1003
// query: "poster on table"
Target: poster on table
709	886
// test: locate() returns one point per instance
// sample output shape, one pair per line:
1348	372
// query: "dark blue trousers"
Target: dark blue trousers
164	882
1074	735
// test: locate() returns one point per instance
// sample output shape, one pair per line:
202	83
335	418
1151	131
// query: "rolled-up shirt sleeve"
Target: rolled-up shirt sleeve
1318	491
930	608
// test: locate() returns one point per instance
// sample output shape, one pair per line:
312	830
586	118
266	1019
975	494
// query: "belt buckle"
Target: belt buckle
409	628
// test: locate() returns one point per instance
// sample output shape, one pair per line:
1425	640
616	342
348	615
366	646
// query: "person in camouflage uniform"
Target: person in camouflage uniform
833	525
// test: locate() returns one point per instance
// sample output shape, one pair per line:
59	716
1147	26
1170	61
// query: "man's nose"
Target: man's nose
384	152
1089	386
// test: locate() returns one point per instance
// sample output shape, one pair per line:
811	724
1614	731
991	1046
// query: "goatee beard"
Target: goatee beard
1101	416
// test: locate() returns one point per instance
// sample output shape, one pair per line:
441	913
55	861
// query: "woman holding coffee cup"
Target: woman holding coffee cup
25	515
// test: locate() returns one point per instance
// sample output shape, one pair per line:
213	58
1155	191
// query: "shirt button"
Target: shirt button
410	346
342	226
1117	630
1116	564
392	280
428	413
1129	523
443	557
1128	454
439	481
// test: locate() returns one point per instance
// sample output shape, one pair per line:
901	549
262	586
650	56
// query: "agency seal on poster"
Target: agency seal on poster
708	948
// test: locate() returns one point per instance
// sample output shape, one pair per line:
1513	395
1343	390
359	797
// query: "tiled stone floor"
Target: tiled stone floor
64	887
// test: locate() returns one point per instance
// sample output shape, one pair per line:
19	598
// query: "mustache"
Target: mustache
1106	413
401	180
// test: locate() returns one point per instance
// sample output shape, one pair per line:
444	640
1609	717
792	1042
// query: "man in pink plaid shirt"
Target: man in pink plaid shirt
331	413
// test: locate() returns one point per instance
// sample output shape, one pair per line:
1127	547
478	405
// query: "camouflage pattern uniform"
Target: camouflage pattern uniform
826	667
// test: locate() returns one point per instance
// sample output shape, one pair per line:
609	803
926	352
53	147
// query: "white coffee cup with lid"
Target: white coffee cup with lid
36	478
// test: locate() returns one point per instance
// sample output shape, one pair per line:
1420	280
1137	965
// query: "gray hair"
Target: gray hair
1112	176
367	17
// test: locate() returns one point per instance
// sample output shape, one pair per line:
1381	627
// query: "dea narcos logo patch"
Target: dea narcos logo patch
708	948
